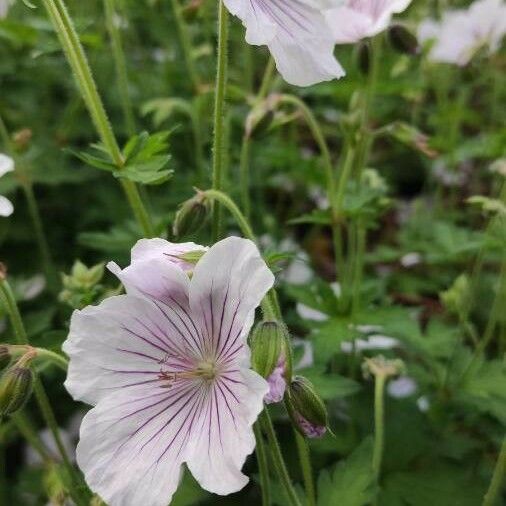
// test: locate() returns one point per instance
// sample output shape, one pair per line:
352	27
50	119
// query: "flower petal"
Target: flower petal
154	278
224	436
228	284
146	249
6	207
124	342
134	441
297	36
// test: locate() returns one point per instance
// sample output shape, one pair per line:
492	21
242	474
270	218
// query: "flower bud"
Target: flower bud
306	408
267	346
15	389
22	138
191	216
403	40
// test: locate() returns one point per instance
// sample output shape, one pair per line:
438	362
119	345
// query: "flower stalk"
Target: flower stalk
498	476
77	60
110	10
305	464
277	459
219	130
263	465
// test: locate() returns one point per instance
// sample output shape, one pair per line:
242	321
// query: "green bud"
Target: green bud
15	389
267	345
403	40
304	401
191	216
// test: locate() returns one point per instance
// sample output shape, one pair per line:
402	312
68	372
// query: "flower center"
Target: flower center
207	370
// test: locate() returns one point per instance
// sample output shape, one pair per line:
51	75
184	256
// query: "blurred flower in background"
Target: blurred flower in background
462	33
357	19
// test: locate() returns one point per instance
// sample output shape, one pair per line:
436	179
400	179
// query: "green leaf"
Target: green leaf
146	158
352	482
440	485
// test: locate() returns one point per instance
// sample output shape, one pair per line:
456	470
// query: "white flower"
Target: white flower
358	19
297	36
6	165
167	368
402	387
411	259
375	342
461	33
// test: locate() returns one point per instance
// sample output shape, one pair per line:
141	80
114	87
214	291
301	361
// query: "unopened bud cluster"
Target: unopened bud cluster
191	216
82	286
306	408
15	388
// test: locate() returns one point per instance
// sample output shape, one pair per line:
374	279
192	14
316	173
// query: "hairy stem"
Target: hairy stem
263	465
277	459
78	62
219	131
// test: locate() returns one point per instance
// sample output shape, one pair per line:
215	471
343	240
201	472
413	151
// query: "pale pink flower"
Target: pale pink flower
354	20
277	383
167	368
462	33
296	34
153	250
6	165
310	429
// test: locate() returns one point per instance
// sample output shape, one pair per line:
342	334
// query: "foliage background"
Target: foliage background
443	455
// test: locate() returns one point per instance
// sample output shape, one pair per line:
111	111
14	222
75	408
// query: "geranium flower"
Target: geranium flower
358	19
167	368
6	165
297	36
461	33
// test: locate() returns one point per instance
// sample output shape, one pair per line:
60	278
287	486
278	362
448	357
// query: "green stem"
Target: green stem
57	359
219	131
305	464
277	459
78	62
33	210
7	297
266	80
120	64
244	175
263	465
186	45
379	424
234	210
496	484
